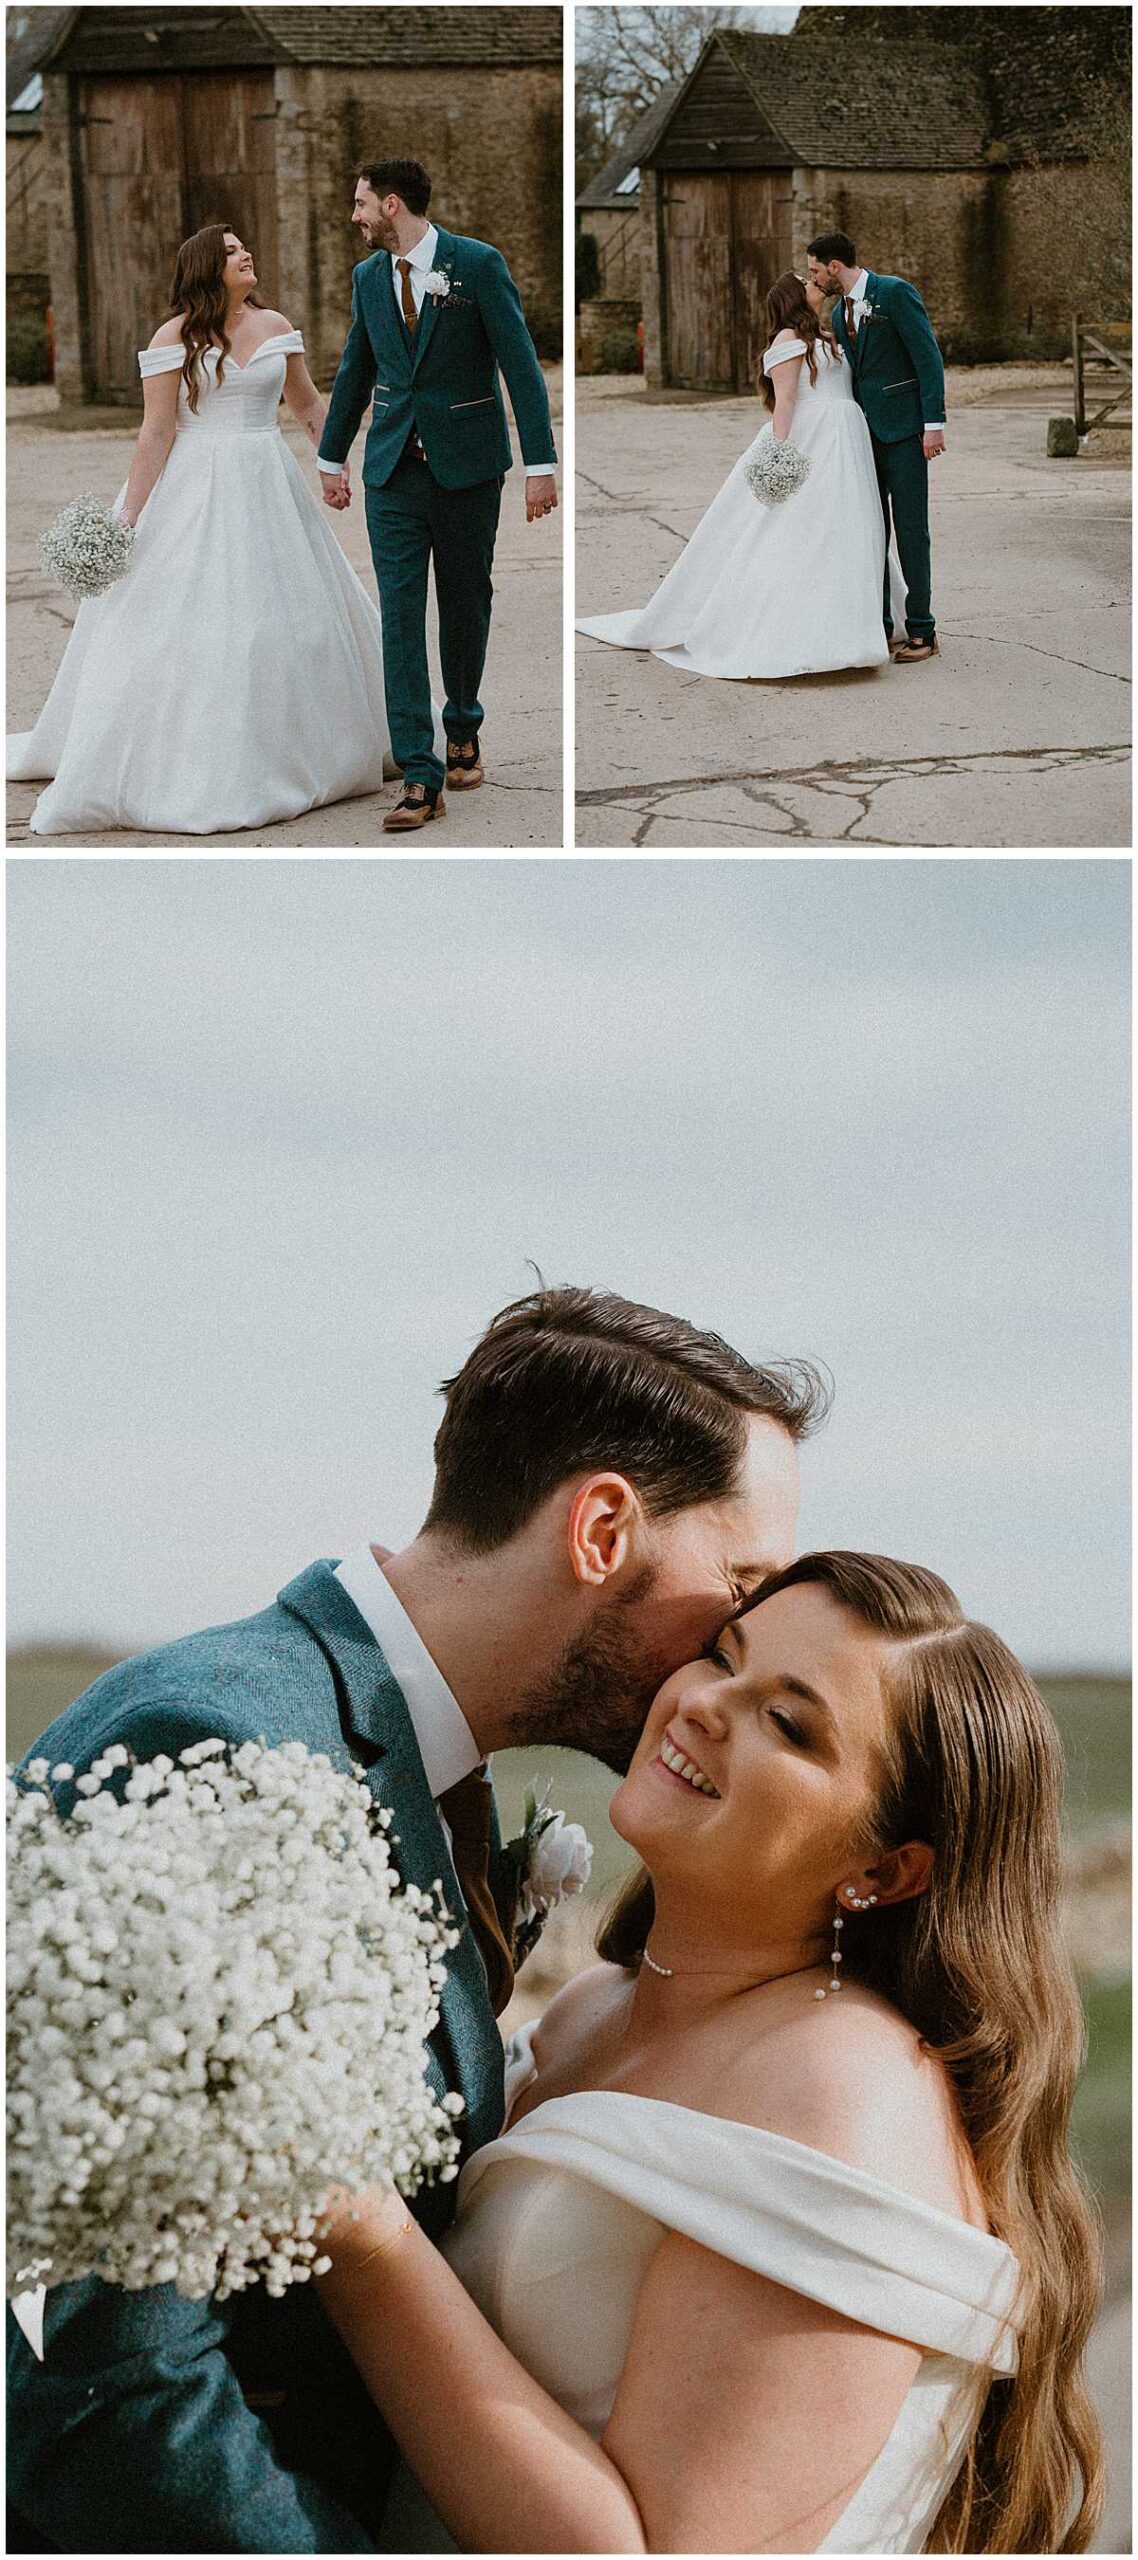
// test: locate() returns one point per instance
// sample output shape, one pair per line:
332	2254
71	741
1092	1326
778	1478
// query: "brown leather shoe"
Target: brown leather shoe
464	765
416	809
911	652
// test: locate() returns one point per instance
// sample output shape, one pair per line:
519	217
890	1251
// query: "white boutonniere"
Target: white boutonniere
437	284
550	1858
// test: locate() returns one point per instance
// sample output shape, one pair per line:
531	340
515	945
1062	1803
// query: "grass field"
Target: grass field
1093	1715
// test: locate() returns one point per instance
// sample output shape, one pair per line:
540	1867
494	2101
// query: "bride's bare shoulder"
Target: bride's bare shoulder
169	333
850	2076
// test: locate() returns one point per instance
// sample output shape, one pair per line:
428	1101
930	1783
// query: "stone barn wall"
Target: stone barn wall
990	251
491	140
26	224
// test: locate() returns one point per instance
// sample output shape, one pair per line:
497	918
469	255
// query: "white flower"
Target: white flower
776	470
437	283
218	2000
560	1862
85	548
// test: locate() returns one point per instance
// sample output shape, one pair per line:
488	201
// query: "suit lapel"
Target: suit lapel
374	1714
389	318
445	253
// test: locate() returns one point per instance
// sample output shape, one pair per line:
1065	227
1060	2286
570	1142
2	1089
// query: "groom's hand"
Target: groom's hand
933	442
336	492
541	497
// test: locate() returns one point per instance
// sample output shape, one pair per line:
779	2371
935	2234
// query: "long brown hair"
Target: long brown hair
788	308
198	290
978	1966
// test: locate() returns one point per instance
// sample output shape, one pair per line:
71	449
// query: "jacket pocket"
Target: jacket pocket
486	403
909	383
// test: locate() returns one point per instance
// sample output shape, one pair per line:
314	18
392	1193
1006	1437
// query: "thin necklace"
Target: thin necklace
720	1973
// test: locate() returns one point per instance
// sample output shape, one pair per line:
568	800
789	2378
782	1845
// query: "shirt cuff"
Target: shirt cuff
337	467
934	426
540	470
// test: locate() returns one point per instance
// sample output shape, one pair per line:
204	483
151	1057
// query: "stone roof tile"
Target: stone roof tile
403	35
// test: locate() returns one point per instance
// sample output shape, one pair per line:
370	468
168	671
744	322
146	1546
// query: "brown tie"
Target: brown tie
850	317
466	1809
406	296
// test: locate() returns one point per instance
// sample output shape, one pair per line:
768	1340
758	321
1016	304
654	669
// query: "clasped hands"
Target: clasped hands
541	494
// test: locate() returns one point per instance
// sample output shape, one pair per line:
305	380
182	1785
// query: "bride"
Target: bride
782	2249
235	675
787	590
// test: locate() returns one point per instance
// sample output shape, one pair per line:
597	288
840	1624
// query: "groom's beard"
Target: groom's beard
597	1695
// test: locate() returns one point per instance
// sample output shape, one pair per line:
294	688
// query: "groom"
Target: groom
609	1483
433	319
884	330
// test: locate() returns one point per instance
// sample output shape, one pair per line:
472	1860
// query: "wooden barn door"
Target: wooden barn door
230	148
161	157
697	283
726	238
132	166
760	233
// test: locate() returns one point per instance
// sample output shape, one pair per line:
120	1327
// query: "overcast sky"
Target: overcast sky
283	1136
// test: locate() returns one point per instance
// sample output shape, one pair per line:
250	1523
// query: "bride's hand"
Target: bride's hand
359	2223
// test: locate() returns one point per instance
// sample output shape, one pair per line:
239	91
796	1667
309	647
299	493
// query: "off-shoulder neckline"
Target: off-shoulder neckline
173	347
759	2134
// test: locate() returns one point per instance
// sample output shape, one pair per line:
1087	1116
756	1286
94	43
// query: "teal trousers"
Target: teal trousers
903	480
411	523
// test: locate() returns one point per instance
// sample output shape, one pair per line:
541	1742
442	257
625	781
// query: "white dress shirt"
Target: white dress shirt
933	426
420	261
446	1744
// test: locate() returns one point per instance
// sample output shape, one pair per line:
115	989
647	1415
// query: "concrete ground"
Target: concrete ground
521	803
1017	736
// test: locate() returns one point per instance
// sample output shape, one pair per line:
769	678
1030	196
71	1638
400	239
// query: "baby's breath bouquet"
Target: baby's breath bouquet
86	549
775	470
219	1992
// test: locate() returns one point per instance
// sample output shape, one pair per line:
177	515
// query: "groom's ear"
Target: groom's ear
603	1518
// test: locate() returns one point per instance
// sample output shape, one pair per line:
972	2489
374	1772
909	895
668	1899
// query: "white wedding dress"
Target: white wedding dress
558	2220
235	675
788	590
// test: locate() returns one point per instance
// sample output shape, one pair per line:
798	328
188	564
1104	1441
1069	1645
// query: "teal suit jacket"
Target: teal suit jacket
444	380
135	2434
898	370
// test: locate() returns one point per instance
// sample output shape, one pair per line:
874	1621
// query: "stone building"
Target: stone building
608	212
980	151
155	121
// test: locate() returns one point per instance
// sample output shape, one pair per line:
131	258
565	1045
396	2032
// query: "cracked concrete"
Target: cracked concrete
1017	736
520	805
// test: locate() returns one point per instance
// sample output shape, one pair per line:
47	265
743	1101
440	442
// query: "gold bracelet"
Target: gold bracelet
380	2251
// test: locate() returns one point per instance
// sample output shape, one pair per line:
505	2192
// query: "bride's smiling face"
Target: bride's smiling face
782	1730
239	276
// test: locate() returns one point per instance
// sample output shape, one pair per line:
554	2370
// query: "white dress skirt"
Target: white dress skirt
234	676
788	590
558	2222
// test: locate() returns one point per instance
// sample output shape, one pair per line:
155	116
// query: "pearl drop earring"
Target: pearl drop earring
857	1902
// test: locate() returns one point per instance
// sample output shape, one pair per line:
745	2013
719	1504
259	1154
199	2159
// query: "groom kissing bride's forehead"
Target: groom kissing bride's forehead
610	1481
